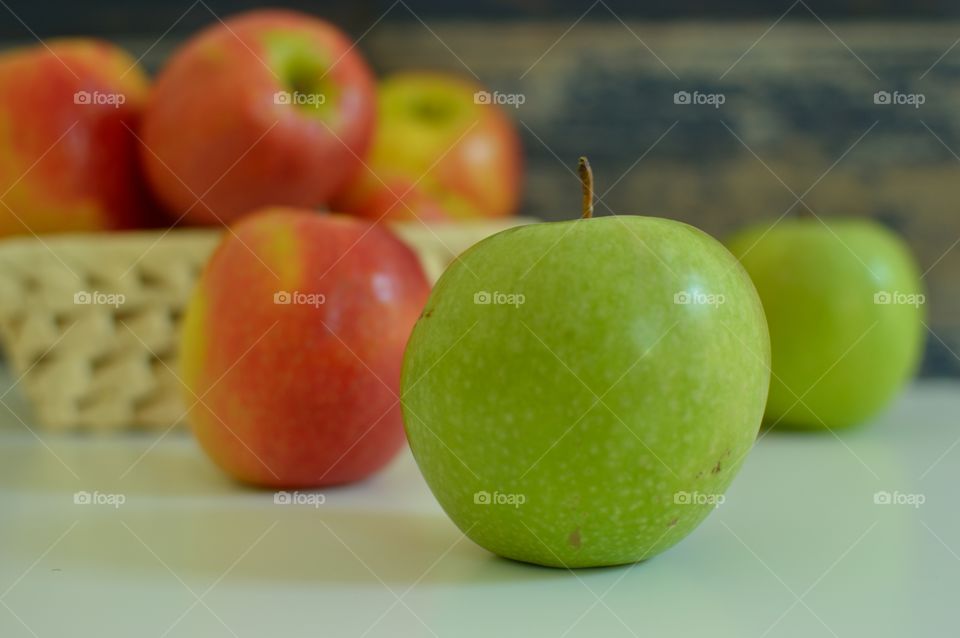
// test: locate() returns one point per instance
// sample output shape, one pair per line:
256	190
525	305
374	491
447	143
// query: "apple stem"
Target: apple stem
586	180
804	213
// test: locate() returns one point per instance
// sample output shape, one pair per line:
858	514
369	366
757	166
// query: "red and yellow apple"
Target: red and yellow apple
272	107
68	151
292	345
439	152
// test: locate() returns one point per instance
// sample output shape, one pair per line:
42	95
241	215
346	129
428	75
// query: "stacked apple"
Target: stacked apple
68	149
278	108
269	108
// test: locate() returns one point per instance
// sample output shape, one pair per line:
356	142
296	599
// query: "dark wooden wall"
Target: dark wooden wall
799	113
151	17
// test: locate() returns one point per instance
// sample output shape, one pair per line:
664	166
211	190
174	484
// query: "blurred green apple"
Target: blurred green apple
845	307
581	393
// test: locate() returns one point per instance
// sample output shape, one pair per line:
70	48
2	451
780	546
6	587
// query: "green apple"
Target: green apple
581	393
845	306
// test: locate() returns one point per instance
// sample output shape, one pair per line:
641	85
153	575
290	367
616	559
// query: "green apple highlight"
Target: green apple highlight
845	306
581	393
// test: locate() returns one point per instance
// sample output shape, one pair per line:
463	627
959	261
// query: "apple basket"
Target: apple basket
89	322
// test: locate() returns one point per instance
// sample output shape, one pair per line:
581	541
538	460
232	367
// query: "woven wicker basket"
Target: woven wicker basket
89	322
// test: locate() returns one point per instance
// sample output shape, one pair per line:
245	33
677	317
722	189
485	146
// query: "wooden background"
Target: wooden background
799	120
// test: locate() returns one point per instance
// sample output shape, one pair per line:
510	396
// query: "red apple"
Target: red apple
68	154
440	151
292	343
271	108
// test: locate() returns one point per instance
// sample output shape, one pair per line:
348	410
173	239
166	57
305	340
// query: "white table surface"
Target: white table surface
799	548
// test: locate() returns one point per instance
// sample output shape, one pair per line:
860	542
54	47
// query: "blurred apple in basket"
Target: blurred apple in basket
68	150
443	149
272	107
